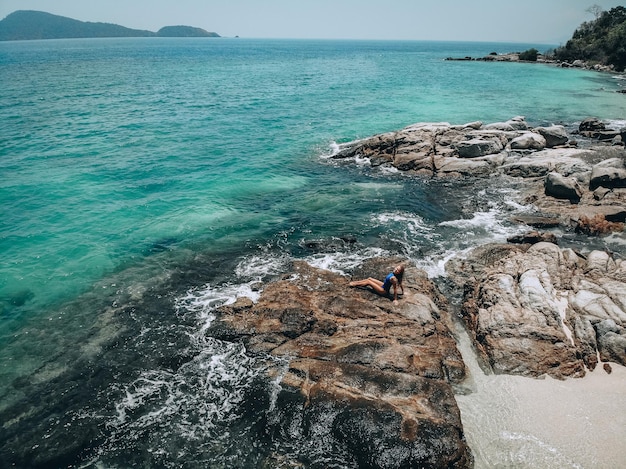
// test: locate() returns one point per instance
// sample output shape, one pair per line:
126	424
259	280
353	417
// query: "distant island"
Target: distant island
28	25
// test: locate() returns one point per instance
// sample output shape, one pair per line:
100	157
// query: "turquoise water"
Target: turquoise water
161	165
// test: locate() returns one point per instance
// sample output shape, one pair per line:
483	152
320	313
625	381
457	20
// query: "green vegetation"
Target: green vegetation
530	55
25	24
184	31
601	41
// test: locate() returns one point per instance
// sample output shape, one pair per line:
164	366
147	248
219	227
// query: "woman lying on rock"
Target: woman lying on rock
393	279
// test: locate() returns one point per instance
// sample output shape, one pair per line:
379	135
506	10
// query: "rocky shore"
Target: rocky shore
572	183
515	57
376	381
372	380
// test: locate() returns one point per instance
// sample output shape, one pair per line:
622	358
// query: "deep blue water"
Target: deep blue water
144	181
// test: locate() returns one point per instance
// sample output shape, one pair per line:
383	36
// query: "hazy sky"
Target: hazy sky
531	21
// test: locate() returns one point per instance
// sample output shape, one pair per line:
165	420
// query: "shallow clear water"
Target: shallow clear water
144	181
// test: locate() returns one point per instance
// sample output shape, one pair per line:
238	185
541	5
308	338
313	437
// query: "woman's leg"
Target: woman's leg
374	283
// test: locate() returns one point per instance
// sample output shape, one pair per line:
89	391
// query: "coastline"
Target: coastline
528	316
541	59
529	308
139	354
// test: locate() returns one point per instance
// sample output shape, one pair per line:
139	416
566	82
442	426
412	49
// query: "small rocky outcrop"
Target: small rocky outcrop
373	378
542	310
563	181
592	127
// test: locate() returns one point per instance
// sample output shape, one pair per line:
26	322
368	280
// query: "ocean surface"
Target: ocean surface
144	182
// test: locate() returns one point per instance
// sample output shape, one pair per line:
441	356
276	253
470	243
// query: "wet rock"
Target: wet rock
533	237
537	221
602	135
532	311
374	377
612	344
591	124
597	225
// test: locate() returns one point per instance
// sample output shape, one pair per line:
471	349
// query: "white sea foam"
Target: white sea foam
410	221
342	262
489	224
334	148
257	267
616	124
435	265
362	160
219	376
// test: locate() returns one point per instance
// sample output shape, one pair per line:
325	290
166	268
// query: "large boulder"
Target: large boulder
555	135
528	141
609	173
593	127
591	124
372	379
541	310
566	161
561	187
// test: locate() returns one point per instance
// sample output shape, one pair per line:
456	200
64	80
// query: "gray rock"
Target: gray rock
528	141
505	126
566	161
518	123
561	187
555	135
533	237
530	310
591	124
470	125
478	147
607	175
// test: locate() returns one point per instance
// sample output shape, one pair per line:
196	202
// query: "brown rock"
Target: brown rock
374	377
597	225
533	237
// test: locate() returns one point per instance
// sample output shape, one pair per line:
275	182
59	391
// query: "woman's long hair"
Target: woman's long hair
400	275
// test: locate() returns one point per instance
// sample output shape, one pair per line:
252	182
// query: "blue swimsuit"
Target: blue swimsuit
387	283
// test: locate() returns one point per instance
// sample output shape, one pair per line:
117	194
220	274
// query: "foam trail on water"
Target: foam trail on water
343	262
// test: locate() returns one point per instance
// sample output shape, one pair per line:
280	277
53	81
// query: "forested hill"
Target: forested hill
602	40
24	25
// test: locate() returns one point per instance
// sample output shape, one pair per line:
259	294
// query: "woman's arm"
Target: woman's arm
395	283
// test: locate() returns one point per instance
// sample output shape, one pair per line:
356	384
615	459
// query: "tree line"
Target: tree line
601	41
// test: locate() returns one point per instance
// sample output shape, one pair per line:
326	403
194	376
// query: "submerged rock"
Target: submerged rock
372	378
